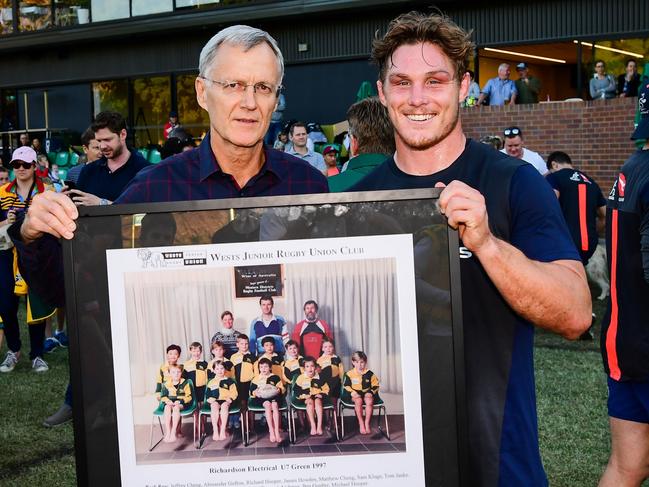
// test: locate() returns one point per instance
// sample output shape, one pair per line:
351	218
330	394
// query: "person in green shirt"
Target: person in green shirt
528	86
371	141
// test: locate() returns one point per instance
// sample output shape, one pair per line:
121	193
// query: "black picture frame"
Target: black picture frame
92	377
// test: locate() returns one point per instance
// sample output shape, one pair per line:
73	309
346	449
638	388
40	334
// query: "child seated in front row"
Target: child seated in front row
361	387
331	369
309	390
293	364
221	392
196	370
276	359
267	391
176	394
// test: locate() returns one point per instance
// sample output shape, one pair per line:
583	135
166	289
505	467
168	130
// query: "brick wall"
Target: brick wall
594	133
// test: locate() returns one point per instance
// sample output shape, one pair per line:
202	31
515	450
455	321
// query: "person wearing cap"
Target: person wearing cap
515	147
625	327
15	198
528	87
171	124
501	90
330	156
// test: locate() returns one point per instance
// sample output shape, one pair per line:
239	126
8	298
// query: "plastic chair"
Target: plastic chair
62	174
253	410
74	159
144	153
159	412
62	158
378	404
295	406
51	156
154	156
205	410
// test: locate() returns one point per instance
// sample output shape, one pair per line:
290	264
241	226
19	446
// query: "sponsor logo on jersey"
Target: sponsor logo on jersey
621	186
465	253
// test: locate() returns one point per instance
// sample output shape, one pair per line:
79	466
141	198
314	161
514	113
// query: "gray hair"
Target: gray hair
503	66
239	35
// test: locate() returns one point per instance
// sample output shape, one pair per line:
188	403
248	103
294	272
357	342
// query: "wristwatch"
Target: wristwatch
103	201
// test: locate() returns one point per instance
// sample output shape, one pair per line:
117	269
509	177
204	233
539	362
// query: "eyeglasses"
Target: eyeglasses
512	132
239	87
19	164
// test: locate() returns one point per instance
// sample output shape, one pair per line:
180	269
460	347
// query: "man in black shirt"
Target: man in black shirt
102	181
581	200
625	328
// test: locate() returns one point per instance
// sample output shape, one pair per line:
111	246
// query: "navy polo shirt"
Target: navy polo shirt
97	179
501	401
197	175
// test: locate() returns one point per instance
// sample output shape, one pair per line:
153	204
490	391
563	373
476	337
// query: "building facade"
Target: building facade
66	60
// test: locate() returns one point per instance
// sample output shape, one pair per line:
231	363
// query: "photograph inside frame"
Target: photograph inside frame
330	265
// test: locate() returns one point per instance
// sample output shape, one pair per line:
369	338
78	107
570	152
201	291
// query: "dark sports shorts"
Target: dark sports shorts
628	400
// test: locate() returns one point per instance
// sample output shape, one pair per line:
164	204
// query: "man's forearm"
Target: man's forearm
551	295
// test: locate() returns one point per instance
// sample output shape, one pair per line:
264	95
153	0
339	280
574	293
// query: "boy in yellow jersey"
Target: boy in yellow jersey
331	369
221	392
259	388
243	368
293	364
309	389
276	360
176	394
218	353
173	354
361	387
195	369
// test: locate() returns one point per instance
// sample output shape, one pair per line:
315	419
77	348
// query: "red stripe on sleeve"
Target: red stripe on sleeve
611	333
583	227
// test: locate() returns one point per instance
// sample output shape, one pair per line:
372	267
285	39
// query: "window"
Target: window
151	106
34	15
194	3
191	115
109	10
6	17
71	12
110	96
146	7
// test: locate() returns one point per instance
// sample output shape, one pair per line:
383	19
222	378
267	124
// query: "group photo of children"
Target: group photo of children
313	369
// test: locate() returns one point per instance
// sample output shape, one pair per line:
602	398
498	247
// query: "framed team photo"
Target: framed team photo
303	340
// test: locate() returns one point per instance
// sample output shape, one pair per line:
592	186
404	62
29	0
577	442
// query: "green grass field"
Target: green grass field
571	396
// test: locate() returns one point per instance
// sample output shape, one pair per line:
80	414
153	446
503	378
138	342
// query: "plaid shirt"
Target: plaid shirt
196	175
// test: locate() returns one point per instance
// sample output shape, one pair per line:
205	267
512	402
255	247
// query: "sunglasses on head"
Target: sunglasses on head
19	164
512	132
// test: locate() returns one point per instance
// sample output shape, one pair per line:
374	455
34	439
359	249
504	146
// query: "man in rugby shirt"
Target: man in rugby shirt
625	328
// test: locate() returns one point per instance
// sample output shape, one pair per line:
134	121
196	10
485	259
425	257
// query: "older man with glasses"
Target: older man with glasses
240	77
515	147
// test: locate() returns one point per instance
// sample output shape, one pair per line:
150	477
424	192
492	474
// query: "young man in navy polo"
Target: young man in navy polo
517	253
